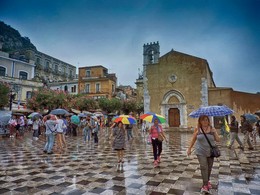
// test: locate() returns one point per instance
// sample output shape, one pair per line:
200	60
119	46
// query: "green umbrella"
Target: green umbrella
75	119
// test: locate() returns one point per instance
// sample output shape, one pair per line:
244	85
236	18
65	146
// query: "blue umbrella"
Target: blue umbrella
82	115
35	115
211	111
251	118
59	111
4	119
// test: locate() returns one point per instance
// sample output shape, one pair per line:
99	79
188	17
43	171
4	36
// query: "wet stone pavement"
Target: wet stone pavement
86	168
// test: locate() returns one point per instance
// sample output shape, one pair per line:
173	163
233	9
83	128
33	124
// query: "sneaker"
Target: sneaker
155	164
205	189
209	185
229	147
251	148
50	152
45	151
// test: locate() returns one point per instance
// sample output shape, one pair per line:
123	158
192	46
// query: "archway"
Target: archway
173	107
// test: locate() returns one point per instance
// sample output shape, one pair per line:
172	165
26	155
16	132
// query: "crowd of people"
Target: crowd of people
204	137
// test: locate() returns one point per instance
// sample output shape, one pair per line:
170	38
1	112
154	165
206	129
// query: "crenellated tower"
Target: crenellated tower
151	53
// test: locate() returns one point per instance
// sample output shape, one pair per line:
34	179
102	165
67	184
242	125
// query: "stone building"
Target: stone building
48	68
97	82
130	92
176	83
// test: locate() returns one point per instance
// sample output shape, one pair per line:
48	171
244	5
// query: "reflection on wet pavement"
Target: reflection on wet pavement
87	168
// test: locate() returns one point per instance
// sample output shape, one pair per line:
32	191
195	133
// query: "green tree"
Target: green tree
48	99
4	94
109	106
139	107
84	103
129	106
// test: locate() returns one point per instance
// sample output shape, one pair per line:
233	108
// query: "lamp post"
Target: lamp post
11	98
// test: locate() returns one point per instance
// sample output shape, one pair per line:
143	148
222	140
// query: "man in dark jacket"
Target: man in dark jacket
247	129
234	133
258	127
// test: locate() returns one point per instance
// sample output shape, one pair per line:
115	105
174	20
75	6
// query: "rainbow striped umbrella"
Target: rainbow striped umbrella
151	116
125	119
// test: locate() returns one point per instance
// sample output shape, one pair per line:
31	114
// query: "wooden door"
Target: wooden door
174	117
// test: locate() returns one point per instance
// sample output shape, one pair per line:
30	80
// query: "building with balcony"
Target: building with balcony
47	68
97	82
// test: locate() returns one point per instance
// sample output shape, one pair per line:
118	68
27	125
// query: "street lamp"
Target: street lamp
11	98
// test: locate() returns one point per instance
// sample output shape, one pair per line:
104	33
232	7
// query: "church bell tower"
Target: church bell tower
151	53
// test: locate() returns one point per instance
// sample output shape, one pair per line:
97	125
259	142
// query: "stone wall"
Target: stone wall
240	102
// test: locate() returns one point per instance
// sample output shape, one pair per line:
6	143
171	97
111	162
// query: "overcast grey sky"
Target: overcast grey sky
112	32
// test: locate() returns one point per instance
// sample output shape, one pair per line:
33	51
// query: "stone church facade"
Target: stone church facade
176	83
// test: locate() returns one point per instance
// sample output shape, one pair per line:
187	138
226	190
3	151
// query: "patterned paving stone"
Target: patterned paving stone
88	168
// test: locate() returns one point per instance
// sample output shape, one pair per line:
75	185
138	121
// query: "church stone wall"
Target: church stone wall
240	102
188	69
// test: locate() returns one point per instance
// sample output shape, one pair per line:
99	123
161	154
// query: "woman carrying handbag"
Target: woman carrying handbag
157	137
204	136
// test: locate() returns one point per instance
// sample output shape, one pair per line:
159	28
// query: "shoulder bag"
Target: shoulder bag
160	137
214	152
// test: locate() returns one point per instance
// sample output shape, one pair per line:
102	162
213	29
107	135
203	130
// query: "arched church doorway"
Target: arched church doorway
174	117
174	109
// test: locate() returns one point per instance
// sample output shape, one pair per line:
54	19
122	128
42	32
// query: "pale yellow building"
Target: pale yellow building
96	82
18	75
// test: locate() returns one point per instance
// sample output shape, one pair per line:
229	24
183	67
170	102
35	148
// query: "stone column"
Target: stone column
204	92
146	92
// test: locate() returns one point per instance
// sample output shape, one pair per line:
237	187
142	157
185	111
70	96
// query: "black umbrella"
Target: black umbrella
59	111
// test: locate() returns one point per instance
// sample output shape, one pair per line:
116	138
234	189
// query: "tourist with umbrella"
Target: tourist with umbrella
119	135
119	141
36	126
87	129
12	124
60	133
204	136
156	133
157	137
50	134
74	120
247	129
234	133
94	128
